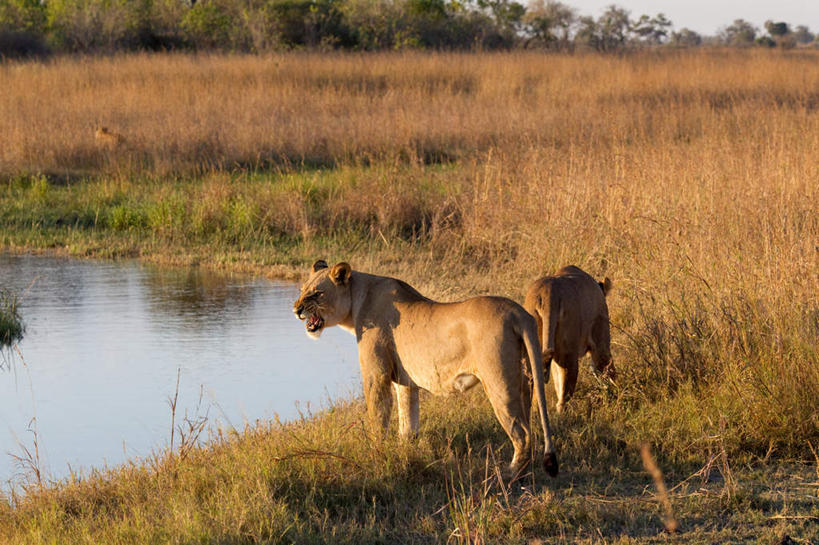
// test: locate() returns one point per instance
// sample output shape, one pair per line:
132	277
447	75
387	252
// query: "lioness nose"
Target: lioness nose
298	310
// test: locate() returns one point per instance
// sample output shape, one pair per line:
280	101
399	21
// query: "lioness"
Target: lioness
105	138
572	319
410	342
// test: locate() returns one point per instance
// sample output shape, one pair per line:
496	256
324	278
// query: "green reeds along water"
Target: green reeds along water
11	323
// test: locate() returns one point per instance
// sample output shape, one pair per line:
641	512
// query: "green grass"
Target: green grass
268	218
11	323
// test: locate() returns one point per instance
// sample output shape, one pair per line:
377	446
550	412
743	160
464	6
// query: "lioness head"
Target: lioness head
325	297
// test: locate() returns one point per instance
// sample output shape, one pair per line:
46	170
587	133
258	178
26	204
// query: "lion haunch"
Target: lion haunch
572	319
407	342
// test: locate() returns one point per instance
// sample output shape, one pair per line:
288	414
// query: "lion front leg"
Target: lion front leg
408	408
375	374
379	400
565	379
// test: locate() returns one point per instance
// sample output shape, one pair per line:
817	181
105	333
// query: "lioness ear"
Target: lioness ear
318	265
605	285
340	274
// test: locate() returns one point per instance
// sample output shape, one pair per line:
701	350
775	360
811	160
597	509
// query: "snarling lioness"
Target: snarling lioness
410	342
572	319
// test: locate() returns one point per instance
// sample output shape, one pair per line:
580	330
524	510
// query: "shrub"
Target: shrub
94	25
208	26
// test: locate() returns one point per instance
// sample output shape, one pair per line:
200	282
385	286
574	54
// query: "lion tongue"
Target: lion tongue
313	321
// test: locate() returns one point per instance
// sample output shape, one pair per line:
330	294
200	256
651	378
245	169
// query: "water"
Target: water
104	342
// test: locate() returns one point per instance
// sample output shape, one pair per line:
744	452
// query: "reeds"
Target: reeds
11	323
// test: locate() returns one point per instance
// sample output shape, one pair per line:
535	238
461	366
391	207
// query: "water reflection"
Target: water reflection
104	341
191	299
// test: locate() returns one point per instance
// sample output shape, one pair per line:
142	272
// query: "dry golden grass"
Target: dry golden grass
691	179
182	113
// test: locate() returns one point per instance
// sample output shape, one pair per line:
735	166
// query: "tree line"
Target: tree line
35	27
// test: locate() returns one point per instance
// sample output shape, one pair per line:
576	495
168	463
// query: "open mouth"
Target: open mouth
314	323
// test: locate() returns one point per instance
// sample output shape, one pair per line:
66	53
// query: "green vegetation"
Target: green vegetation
11	324
464	175
35	27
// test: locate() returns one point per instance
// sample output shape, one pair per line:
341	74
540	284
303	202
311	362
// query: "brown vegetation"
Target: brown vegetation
193	114
689	179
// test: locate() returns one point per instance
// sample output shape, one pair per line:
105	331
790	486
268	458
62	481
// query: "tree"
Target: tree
85	25
765	41
549	22
22	28
651	30
22	16
507	14
588	32
740	33
614	27
207	25
777	29
610	32
686	38
780	34
373	23
433	9
803	35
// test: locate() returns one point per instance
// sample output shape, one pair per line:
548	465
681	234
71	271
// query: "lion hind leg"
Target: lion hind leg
601	347
509	412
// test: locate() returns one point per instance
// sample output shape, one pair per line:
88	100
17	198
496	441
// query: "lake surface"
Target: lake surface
105	340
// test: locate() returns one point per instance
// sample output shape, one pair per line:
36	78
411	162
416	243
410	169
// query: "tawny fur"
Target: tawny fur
572	319
407	342
105	138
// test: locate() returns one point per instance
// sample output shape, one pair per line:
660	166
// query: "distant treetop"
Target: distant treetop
36	27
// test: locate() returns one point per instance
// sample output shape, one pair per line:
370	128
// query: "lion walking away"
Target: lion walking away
572	319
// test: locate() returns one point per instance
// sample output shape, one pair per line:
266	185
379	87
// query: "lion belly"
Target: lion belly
442	347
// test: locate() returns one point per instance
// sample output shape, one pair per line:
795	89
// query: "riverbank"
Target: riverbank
693	194
326	479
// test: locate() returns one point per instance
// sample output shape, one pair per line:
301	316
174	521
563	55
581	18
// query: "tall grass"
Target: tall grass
11	323
191	114
690	179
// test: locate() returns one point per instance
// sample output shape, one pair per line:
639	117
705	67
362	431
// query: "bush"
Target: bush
21	45
22	27
208	26
23	16
94	25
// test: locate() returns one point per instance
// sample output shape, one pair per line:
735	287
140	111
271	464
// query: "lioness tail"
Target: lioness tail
529	335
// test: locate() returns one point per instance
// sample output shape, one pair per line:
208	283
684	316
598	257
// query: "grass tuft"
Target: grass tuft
11	323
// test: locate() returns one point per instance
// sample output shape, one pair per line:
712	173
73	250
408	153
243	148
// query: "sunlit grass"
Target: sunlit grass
689	179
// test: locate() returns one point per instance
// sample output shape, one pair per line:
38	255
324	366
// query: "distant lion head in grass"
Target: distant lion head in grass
106	138
407	342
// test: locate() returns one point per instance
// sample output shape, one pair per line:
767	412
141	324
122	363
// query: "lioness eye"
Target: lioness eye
319	294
